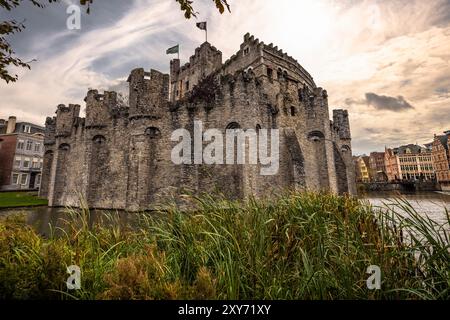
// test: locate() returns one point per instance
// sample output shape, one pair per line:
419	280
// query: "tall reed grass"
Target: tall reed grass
298	246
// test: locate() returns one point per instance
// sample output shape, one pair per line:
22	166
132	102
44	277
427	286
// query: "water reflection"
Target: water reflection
431	204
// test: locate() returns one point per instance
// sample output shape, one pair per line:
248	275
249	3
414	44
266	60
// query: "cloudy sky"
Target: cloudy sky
386	61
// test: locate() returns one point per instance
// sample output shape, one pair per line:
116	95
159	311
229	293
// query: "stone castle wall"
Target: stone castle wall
120	156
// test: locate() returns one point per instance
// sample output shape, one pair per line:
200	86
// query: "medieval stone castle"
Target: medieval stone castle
119	157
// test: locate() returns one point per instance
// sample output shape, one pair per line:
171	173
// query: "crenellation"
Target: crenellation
65	117
341	120
50	131
119	156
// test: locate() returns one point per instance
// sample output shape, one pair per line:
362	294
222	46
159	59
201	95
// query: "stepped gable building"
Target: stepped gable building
441	159
410	162
120	156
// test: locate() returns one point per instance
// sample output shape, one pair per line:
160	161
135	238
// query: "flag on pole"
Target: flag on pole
173	50
201	25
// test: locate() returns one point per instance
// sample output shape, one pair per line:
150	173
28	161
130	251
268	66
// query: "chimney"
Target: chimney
11	125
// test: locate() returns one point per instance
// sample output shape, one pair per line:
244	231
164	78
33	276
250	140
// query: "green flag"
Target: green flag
173	50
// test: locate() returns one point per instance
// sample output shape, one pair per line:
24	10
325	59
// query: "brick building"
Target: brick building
377	167
21	154
441	159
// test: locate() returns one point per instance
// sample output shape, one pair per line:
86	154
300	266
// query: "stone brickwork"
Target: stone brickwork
119	157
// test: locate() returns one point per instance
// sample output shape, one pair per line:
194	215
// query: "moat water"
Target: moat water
432	204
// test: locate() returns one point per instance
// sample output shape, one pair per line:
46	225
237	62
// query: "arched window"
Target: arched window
345	148
233	125
279	73
64	147
153	132
99	139
316	136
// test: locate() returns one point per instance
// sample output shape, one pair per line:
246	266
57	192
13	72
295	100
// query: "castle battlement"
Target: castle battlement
119	157
211	52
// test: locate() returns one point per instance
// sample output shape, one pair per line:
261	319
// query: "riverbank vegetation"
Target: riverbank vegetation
299	246
20	199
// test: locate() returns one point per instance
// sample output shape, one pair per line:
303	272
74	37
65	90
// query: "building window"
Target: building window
38	180
37	147
26	163
270	73
279	73
29	145
23	179
187	85
15	178
153	133
293	111
20	144
246	51
35	164
27	129
17	162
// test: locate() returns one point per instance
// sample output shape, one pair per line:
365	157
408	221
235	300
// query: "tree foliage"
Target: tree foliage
11	27
8	28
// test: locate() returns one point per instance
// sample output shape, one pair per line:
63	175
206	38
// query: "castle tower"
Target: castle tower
99	107
206	60
342	124
341	121
149	93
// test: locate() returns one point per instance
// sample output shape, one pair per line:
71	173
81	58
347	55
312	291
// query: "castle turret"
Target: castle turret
99	107
65	117
174	68
206	60
341	121
50	131
149	92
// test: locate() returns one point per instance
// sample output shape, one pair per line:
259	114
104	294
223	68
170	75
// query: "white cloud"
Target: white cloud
391	48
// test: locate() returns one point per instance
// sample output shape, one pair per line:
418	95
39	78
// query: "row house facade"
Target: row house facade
411	163
377	167
21	155
441	159
362	167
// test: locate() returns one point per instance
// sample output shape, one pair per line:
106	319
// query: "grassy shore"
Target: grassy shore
20	199
300	246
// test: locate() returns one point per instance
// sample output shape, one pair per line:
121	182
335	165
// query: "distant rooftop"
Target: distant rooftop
410	149
444	139
12	126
